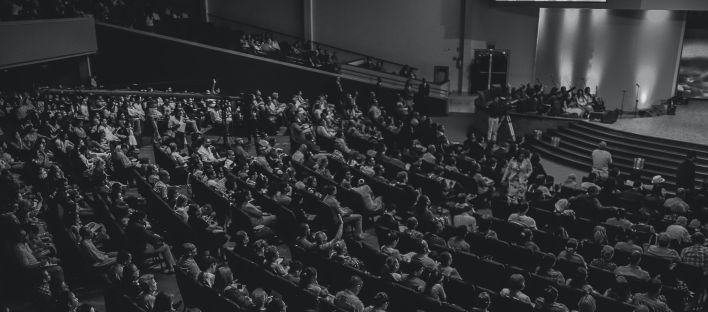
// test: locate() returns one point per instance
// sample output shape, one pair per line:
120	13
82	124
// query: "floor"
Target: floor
690	124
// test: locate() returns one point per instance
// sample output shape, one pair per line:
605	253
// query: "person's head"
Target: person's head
635	258
621	287
131	272
526	235
602	145
412	223
571	245
691	155
223	277
483	300
548	261
654	289
209	265
308	276
698	238
433	277
445	258
67	301
391	265
380	301
163	302
189	249
422	246
587	304
517	282
682	221
147	283
271	254
330	190
607	252
241	238
663	240
276	305
550	295
304	230
355	284
416	268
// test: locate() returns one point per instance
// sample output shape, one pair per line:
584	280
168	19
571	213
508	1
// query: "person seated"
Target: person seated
445	266
605	260
633	269
379	303
547	269
341	255
254	213
228	287
348	299
389	243
521	218
274	262
294	272
662	250
517	283
652	298
308	282
527	242
186	263
548	301
626	242
421	254
372	203
620	290
207	276
144	242
571	254
414	279
678	231
458	241
620	220
96	257
580	280
115	271
347	214
390	270
677	204
25	257
306	240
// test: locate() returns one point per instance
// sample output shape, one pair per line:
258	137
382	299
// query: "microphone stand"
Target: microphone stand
622	103
636	101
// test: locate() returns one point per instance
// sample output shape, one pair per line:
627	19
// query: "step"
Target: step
624	155
583	161
641	149
674	148
665	141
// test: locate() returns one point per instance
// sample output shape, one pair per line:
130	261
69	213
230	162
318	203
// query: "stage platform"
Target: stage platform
690	124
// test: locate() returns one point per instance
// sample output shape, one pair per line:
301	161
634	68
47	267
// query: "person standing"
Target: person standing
497	110
601	161
686	173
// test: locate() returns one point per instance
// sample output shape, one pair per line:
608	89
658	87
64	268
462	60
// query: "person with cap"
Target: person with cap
348	299
678	231
601	161
696	254
662	250
186	262
605	260
652	299
633	269
686	173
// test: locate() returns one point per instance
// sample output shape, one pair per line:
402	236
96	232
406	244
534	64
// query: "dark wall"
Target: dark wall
27	42
128	56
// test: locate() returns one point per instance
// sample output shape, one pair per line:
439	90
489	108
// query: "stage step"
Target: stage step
578	140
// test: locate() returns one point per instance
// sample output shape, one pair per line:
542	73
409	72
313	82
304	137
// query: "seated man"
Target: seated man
348	299
413	279
345	212
662	250
633	269
652	299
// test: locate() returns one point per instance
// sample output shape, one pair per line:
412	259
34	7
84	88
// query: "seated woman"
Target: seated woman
445	266
341	255
308	281
254	213
274	262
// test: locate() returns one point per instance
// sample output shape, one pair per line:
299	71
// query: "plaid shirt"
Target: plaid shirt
696	255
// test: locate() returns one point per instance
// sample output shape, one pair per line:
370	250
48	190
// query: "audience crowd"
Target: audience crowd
376	191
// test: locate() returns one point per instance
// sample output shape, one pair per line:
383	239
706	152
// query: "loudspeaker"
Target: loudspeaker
611	116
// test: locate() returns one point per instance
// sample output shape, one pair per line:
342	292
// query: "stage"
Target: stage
690	124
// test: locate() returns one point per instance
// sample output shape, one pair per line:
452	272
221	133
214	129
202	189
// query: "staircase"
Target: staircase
662	156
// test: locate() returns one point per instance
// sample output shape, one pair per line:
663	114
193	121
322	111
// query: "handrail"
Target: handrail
138	93
337	49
